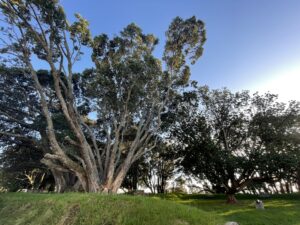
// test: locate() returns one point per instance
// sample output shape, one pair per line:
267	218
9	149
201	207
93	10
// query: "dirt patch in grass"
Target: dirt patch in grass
25	207
70	216
181	222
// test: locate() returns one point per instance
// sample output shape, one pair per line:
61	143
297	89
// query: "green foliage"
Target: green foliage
234	140
80	28
42	29
185	39
126	69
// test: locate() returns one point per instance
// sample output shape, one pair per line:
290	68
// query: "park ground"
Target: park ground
171	209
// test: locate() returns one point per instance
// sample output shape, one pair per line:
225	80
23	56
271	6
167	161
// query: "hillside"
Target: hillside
171	209
95	209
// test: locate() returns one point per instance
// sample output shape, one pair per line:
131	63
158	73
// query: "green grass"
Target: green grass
279	209
172	209
96	209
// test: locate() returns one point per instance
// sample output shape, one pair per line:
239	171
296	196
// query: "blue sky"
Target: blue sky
251	45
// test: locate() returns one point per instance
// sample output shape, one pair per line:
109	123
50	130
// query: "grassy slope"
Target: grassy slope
92	209
279	210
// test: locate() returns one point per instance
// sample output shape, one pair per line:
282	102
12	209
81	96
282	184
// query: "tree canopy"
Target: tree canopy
234	140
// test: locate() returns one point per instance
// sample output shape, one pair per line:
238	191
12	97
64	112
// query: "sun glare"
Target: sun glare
284	82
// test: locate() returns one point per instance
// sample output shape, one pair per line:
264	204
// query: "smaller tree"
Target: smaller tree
153	170
159	167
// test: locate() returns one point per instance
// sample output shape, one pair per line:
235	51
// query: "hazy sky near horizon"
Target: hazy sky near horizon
253	45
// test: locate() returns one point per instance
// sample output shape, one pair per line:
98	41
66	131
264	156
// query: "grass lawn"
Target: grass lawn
96	209
279	210
172	209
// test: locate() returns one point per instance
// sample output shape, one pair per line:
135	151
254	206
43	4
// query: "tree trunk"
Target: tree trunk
60	182
287	187
135	178
231	199
93	186
120	177
161	186
282	191
87	182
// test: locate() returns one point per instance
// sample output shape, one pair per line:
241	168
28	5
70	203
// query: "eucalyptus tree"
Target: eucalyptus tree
235	140
130	87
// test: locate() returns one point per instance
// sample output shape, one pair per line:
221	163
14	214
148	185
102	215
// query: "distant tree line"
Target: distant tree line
237	141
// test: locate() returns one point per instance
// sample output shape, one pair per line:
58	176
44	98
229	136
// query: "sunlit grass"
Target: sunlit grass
279	209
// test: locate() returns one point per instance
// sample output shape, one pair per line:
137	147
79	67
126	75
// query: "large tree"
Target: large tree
234	140
128	88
